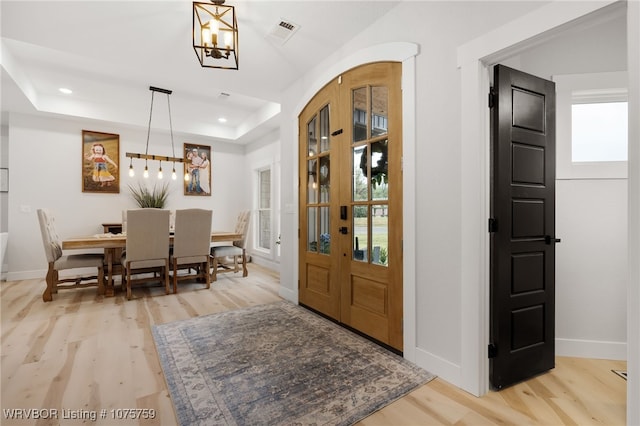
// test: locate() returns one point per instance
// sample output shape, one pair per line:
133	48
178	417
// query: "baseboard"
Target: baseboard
442	368
288	294
591	349
269	264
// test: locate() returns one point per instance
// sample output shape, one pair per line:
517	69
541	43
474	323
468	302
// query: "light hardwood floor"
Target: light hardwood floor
85	353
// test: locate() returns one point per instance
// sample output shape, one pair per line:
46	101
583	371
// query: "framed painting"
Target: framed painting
100	156
197	170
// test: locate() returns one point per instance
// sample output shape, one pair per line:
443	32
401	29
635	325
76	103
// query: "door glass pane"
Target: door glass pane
325	238
324	129
312	137
325	178
312	229
379	110
380	234
380	170
359	187
312	181
359	101
360	227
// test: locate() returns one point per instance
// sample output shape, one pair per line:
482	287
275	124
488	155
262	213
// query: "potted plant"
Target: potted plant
155	198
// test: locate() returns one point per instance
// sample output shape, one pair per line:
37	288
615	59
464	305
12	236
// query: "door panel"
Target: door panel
351	233
319	286
522	244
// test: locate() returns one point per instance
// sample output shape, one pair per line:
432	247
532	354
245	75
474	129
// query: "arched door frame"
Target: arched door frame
404	52
474	60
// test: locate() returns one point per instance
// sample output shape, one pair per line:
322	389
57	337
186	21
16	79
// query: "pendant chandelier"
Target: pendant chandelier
146	156
215	34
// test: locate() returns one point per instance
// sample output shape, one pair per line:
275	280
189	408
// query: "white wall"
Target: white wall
45	160
260	155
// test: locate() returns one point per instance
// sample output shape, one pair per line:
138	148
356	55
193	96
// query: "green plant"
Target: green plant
145	198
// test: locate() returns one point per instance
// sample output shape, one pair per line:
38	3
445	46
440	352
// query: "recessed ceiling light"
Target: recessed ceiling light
222	120
65	90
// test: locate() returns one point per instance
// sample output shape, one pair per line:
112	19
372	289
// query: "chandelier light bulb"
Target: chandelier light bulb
173	174
186	177
131	172
146	172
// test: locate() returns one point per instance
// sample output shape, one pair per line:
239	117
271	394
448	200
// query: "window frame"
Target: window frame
579	89
260	208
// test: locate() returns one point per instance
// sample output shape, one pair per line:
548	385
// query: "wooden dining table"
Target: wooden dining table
114	243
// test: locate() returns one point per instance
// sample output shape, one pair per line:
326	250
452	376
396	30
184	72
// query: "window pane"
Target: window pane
265	189
324	129
312	138
379	110
359	186
360	227
325	178
325	239
265	229
312	229
380	234
312	181
379	170
359	100
599	132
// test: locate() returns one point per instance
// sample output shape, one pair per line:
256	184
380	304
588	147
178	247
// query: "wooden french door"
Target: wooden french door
350	247
523	227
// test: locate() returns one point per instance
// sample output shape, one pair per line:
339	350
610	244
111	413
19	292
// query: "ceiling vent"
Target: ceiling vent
283	31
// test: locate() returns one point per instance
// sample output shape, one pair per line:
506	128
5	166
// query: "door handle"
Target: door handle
343	230
548	239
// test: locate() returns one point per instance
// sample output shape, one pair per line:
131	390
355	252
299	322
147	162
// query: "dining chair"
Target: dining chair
59	262
147	249
236	251
191	245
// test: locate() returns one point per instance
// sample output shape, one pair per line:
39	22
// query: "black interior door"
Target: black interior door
523	227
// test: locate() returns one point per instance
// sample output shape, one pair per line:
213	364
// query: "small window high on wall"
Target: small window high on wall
591	126
599	132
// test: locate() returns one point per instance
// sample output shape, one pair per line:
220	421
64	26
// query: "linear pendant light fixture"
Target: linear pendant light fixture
215	34
146	156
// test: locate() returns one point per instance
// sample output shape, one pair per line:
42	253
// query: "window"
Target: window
599	132
264	209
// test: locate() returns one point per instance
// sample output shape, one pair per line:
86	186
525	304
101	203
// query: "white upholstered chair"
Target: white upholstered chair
59	262
236	251
191	245
147	248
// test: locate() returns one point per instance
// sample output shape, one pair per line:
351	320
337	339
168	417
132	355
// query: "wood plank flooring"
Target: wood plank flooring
84	353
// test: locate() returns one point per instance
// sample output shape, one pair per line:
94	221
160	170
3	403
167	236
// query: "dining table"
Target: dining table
115	243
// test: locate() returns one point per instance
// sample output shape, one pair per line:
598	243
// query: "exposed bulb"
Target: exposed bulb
186	177
146	172
160	173
131	172
173	174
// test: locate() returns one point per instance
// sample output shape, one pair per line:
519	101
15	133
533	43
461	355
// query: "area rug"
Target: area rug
277	364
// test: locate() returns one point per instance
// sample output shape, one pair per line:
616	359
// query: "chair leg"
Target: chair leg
214	275
128	281
167	289
245	272
206	267
46	296
175	276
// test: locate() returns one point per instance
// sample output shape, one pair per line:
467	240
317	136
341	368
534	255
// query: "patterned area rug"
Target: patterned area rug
277	364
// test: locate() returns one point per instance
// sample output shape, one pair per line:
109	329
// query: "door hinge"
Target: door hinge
493	350
493	225
492	98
